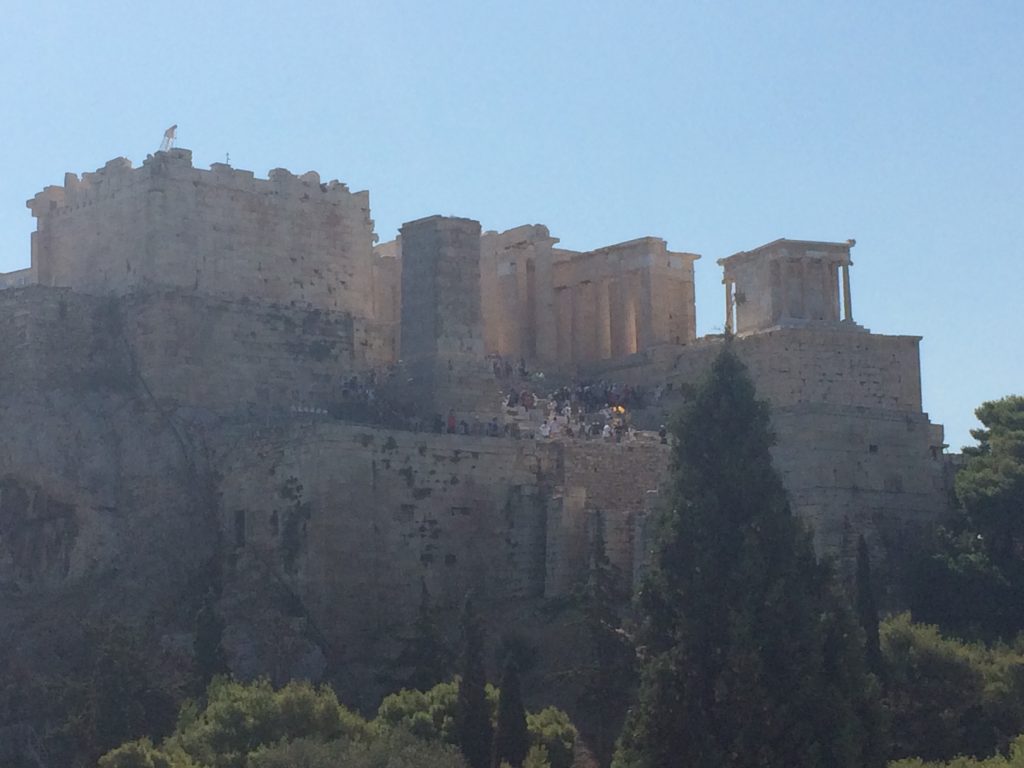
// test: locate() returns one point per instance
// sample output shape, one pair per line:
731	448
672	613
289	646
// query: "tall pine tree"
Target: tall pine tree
607	659
511	740
752	657
474	714
425	655
208	648
867	609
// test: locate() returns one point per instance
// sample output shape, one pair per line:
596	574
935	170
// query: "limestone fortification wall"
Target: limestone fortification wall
232	357
794	365
856	453
358	518
288	239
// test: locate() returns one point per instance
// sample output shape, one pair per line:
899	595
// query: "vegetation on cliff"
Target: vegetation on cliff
255	726
751	655
970	581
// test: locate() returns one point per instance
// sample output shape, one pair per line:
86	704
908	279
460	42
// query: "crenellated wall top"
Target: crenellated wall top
118	175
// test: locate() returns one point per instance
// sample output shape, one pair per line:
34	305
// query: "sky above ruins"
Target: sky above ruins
716	125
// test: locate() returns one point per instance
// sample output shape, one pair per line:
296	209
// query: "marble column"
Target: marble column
728	305
847	303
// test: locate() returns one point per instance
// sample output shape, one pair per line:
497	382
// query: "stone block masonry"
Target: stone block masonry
358	518
170	361
289	239
232	358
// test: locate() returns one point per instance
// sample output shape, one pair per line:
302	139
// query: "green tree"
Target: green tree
511	740
432	715
427	654
991	485
867	608
391	749
1015	759
124	700
970	578
142	754
608	661
208	648
473	721
240	719
752	658
946	697
552	729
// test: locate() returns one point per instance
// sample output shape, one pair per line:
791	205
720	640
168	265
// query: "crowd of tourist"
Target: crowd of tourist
583	410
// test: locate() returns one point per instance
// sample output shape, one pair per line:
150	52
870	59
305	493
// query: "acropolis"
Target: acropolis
202	365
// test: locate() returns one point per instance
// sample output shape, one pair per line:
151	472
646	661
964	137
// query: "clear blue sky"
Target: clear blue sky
718	126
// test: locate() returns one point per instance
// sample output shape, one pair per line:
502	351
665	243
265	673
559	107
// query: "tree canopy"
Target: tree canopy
752	657
970	579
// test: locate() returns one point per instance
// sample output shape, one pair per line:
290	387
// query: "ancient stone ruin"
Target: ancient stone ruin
203	366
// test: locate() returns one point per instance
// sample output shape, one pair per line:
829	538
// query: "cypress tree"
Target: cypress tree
511	740
608	658
207	647
474	714
752	657
867	610
425	653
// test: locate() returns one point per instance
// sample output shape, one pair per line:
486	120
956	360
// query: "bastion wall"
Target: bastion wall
222	317
359	518
232	357
288	239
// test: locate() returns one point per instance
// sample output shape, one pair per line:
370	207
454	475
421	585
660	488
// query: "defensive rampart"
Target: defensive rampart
187	350
288	239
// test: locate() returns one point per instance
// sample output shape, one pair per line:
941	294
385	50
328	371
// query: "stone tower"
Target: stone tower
442	329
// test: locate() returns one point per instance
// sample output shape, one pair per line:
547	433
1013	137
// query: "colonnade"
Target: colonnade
796	289
601	319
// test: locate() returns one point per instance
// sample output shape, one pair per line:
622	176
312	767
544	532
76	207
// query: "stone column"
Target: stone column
847	303
728	305
617	317
604	321
564	313
833	288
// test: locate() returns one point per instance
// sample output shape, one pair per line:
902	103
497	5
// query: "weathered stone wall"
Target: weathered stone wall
237	357
606	484
17	279
862	471
356	519
289	240
794	365
856	453
441	329
387	288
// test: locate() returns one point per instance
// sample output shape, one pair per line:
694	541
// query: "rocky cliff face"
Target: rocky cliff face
122	502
